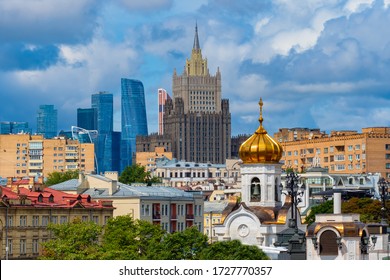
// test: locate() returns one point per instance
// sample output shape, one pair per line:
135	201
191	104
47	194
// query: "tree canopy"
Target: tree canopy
368	208
137	173
59	177
126	239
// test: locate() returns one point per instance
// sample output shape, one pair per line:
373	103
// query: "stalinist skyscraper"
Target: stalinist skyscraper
197	120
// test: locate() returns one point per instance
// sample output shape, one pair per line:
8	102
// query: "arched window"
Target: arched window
255	189
328	243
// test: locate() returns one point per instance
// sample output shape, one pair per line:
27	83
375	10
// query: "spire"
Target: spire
261	128
196	39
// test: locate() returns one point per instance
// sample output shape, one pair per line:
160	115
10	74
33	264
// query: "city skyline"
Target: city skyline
320	64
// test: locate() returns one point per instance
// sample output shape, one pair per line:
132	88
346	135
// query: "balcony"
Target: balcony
190	216
156	216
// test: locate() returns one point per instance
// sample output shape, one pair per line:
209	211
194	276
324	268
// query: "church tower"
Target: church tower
261	170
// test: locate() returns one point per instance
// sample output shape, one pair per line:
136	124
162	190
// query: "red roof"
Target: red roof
53	198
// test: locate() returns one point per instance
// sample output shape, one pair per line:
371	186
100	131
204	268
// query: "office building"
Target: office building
103	105
47	121
134	121
197	120
163	96
14	127
87	118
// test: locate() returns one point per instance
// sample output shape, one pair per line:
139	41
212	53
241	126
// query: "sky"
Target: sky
315	63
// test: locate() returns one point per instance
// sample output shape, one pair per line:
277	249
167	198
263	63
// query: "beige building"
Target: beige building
26	209
197	119
32	155
148	159
171	208
342	152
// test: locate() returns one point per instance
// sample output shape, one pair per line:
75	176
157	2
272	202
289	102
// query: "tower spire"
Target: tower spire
196	39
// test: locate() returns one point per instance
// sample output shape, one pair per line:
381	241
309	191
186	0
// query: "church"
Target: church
264	212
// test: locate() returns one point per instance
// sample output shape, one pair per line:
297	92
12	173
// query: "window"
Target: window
339	158
357	147
331	149
35	221
350	147
45	220
54	219
10	246
357	156
10	221
63	220
95	219
84	218
35	246
22	246
23	221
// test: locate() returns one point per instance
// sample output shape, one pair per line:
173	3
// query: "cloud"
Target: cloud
47	21
146	6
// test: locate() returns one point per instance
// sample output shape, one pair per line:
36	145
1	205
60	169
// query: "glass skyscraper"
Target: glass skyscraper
14	127
47	121
87	118
102	103
134	120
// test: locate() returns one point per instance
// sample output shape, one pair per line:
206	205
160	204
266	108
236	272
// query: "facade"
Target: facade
47	121
297	133
163	96
33	155
103	104
197	120
26	209
14	127
171	208
198	176
342	152
134	121
87	118
148	159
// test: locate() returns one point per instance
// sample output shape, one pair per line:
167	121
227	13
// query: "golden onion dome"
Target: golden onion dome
260	147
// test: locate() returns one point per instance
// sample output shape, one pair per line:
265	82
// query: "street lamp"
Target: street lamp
295	191
383	185
365	244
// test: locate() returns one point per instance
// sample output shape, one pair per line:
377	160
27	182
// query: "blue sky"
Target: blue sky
316	63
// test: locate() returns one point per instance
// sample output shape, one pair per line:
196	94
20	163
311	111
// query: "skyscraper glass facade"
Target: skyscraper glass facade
87	118
134	121
102	103
47	121
14	127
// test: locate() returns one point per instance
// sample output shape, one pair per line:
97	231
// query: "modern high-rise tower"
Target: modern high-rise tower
197	120
134	121
87	118
47	121
163	96
102	103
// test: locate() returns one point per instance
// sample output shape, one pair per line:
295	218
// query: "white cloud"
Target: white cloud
142	5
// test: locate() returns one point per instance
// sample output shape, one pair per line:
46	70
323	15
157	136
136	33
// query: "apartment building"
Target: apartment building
341	152
32	155
25	213
171	208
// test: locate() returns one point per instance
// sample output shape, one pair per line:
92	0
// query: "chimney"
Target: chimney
337	203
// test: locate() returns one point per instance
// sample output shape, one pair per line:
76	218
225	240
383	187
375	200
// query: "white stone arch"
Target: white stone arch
243	225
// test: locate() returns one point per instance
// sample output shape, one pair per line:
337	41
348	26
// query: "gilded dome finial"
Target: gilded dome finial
261	111
260	147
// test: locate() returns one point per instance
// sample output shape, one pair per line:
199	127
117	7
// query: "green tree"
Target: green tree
184	245
369	209
326	207
125	238
136	173
73	241
232	250
59	177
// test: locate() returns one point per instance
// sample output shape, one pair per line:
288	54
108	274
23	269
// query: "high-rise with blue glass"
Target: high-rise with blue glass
47	121
134	121
87	118
103	105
